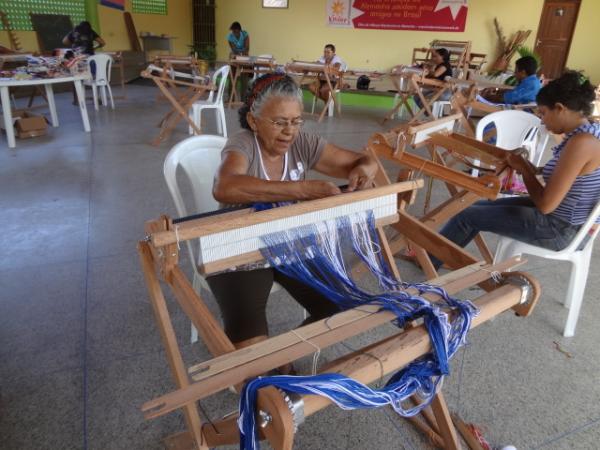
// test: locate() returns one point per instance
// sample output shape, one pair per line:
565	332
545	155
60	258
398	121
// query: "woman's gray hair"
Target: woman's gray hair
263	89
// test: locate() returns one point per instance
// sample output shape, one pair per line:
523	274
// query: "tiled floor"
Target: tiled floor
79	351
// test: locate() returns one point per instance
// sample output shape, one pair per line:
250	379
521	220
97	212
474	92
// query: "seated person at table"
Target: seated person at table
557	207
525	91
320	88
439	70
268	161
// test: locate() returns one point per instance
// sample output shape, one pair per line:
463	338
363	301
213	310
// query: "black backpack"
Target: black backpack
362	83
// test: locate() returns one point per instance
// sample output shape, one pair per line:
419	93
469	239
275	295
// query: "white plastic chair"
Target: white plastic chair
101	78
515	129
199	157
578	253
214	101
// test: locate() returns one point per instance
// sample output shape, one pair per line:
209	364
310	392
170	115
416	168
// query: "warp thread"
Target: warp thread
314	255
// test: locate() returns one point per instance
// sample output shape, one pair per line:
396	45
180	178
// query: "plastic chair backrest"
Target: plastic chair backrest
223	72
512	127
199	157
103	68
584	231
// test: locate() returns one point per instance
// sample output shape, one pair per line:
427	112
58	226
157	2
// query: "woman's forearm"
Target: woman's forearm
246	189
534	187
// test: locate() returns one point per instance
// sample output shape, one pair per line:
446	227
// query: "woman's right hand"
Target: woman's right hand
313	189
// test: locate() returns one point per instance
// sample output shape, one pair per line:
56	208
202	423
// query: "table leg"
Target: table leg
51	104
8	124
82	106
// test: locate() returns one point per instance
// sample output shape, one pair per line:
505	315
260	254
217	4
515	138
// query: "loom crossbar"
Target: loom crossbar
486	187
245	218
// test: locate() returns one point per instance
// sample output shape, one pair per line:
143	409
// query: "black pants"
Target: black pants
242	297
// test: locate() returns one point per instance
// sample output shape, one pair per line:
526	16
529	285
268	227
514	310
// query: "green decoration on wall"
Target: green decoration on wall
18	11
91	12
149	6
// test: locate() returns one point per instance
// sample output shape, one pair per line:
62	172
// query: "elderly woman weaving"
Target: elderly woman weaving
268	161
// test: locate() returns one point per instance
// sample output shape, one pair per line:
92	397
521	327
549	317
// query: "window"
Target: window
149	6
17	11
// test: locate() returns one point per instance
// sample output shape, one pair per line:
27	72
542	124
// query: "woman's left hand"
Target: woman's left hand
517	160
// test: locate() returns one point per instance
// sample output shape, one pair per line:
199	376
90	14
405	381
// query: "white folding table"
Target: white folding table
5	85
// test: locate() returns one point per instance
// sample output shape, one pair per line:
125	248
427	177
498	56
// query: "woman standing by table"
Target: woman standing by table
239	44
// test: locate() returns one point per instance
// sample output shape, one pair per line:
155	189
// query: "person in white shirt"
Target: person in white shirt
320	88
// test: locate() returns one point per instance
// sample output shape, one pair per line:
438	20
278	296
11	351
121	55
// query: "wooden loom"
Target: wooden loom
465	99
279	416
409	82
251	65
464	189
181	100
311	71
460	54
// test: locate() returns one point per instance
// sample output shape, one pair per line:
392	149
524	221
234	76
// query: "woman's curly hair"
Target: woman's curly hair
572	89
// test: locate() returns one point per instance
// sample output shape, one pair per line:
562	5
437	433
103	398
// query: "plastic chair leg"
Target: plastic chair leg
95	95
191	113
577	282
504	250
104	99
219	122
195	116
221	119
193	335
197	285
112	102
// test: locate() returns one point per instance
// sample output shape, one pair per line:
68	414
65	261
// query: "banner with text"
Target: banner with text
417	15
117	4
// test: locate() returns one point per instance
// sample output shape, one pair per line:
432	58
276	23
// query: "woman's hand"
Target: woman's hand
361	177
518	161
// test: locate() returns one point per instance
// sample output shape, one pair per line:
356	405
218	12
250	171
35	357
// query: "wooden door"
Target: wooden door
555	31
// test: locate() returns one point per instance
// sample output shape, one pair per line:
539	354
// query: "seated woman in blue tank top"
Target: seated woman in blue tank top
557	207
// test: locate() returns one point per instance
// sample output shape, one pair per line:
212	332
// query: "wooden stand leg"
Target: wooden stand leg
159	306
444	422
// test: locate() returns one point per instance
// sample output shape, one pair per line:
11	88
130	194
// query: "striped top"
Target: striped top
585	191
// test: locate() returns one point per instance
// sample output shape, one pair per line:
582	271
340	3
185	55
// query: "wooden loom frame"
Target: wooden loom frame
464	189
181	101
415	84
460	54
313	71
464	99
251	65
159	258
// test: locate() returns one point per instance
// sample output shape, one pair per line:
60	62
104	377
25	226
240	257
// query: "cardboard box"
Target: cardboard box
30	125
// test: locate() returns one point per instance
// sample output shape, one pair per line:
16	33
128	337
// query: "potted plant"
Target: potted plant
206	54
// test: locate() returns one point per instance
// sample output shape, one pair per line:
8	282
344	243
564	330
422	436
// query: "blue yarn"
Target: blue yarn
319	262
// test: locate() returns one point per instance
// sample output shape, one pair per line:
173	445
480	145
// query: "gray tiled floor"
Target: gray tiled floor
80	353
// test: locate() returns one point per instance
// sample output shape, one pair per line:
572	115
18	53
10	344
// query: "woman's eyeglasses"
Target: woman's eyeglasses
281	124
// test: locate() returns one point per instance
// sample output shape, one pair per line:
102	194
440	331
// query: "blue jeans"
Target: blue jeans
513	217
